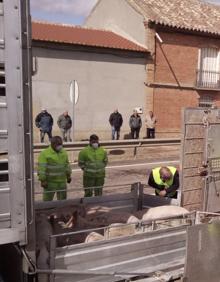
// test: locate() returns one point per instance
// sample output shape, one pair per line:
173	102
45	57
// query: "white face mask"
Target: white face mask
59	148
95	145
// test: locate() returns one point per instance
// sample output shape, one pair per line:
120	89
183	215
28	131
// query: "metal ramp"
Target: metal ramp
200	163
15	122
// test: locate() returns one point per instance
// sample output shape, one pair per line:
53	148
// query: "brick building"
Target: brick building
183	37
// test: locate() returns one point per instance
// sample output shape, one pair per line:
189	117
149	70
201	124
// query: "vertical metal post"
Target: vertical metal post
73	99
17	28
134	191
140	195
52	255
73	116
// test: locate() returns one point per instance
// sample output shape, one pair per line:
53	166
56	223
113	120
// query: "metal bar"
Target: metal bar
4	190
118	143
2	172
2	43
3	132
3	215
112	187
141	224
3	105
115	274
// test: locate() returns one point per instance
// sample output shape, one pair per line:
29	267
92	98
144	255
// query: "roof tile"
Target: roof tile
82	36
187	14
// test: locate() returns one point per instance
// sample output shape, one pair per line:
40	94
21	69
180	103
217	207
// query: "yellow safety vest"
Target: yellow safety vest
159	181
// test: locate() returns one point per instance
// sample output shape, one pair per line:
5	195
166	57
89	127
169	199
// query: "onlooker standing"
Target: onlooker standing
150	122
135	124
65	123
93	160
116	121
44	122
54	170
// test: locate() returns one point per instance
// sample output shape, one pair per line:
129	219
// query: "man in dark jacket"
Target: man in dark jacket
165	180
44	122
115	121
135	124
65	123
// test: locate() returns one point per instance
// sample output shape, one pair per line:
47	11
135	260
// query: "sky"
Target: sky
61	11
66	11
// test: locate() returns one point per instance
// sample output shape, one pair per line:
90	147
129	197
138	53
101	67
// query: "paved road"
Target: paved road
119	175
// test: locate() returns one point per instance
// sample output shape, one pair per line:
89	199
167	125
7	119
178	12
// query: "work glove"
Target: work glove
44	184
69	179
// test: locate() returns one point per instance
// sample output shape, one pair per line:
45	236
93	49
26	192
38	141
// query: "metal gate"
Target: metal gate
200	163
16	210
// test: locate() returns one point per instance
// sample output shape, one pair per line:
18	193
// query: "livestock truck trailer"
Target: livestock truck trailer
41	241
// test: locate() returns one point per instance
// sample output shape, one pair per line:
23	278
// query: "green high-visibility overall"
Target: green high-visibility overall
93	162
54	169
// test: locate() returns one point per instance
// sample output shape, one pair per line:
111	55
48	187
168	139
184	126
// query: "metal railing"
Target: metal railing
116	144
207	79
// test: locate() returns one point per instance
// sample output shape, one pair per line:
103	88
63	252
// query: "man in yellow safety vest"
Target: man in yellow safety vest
165	180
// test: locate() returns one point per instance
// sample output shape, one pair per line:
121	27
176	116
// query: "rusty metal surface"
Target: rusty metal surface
200	151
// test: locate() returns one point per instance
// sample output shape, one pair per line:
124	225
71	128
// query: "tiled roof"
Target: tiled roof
82	36
193	15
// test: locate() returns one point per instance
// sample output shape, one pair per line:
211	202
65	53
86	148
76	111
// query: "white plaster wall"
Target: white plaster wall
105	82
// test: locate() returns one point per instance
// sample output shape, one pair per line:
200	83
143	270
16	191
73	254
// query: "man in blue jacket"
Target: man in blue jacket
44	122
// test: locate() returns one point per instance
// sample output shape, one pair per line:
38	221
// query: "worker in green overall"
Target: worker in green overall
54	171
93	160
165	180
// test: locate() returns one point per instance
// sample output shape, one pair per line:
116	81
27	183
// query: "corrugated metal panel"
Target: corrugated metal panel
3	126
1	33
146	252
203	253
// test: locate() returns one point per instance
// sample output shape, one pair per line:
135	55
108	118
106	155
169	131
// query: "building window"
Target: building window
206	102
208	74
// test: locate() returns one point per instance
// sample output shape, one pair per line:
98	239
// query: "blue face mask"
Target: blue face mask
95	145
59	148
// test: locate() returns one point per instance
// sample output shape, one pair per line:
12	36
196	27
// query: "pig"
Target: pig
162	212
93	237
133	219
